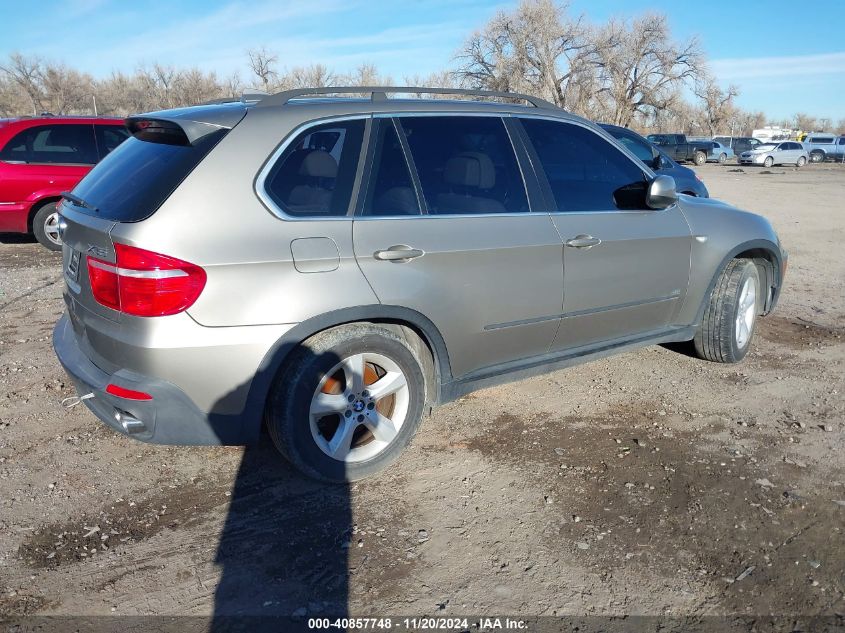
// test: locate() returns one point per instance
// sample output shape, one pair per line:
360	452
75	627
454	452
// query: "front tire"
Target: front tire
817	157
730	315
45	226
348	402
768	162
699	158
723	158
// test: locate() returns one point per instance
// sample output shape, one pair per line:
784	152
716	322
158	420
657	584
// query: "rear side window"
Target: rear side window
584	171
71	144
465	165
391	190
109	137
133	181
314	175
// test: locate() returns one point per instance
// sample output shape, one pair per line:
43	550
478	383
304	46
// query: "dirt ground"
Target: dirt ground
647	483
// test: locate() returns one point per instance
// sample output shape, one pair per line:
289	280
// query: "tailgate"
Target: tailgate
84	235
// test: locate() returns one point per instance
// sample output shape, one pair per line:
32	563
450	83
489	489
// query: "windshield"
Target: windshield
765	147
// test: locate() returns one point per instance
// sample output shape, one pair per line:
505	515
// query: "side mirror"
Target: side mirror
661	192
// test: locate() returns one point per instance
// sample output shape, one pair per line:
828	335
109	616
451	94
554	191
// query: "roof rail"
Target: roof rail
379	93
248	96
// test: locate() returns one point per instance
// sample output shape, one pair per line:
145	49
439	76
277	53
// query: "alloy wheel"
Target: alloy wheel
51	228
359	407
746	312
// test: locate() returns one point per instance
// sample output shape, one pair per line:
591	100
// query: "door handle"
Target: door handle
583	241
398	253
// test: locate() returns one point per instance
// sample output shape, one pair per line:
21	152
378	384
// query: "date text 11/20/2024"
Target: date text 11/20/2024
419	624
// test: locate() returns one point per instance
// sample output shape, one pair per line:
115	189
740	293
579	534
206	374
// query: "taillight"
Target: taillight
143	283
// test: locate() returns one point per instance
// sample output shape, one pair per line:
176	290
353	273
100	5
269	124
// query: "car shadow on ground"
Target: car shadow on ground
283	548
16	238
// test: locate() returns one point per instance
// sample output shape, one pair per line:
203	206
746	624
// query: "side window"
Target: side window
465	164
391	190
585	172
65	144
640	149
314	175
109	137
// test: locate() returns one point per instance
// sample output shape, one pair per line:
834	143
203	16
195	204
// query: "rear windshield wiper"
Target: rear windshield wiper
67	195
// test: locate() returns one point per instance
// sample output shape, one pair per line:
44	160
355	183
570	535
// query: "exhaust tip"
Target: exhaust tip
129	423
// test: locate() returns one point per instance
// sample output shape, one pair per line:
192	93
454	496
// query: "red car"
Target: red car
40	157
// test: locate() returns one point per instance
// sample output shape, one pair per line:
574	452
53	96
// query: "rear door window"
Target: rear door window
314	175
391	190
465	165
70	144
584	171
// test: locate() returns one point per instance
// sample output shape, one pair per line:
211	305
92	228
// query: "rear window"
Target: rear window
135	179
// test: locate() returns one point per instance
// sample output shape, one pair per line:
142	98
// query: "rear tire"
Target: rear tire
327	418
723	158
45	225
801	161
730	314
699	158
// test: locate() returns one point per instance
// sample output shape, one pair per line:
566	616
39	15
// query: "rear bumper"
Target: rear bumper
169	418
13	217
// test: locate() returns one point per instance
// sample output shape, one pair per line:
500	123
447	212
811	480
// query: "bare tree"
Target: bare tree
262	63
67	91
26	72
164	78
366	75
537	48
232	85
716	103
803	121
313	76
642	69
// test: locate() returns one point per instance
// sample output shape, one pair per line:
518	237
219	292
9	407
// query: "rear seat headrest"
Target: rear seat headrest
319	164
470	169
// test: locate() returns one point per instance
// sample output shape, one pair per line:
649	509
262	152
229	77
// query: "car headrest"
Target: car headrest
470	169
319	164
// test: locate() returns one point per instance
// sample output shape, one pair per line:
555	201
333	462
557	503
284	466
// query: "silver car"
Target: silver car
336	267
782	153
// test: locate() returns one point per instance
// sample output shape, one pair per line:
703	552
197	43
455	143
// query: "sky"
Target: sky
785	57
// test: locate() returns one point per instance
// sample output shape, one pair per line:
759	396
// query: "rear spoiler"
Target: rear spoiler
185	126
